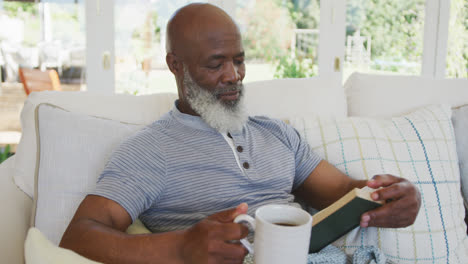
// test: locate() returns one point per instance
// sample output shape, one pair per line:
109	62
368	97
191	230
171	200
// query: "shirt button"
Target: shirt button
246	165
240	148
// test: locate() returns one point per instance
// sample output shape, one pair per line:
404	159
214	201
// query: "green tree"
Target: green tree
13	9
395	27
457	57
267	30
304	13
29	14
298	67
5	153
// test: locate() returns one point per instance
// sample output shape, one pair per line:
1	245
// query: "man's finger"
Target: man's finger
233	231
382	180
393	192
389	220
394	214
228	216
233	252
378	217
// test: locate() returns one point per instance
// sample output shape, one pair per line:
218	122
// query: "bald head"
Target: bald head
194	23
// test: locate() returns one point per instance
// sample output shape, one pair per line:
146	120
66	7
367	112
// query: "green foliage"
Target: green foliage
395	27
457	57
60	12
267	30
13	9
5	153
156	27
67	26
146	38
304	13
29	13
288	67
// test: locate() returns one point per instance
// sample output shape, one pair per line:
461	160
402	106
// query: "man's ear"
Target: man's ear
174	63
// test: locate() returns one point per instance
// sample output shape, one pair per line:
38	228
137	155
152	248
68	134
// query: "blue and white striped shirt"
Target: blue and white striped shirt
179	170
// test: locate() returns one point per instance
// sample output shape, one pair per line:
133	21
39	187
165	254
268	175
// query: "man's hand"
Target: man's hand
209	240
403	202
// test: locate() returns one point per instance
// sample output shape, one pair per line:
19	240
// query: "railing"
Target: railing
304	42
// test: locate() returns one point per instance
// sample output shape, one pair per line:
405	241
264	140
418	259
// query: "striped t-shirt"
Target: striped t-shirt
179	170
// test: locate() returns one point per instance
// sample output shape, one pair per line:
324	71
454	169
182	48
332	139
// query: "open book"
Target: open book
341	217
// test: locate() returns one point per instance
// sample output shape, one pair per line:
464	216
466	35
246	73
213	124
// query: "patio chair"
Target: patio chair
36	80
51	55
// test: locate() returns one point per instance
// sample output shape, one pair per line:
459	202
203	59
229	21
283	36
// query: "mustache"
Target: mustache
231	88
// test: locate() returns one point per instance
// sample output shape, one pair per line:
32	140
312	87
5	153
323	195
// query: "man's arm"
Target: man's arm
97	231
326	184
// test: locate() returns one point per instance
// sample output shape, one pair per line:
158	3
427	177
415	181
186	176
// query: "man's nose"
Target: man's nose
231	74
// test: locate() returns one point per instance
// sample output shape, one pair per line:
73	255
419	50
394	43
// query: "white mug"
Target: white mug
282	234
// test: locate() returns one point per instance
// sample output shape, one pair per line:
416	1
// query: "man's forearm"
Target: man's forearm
325	185
99	242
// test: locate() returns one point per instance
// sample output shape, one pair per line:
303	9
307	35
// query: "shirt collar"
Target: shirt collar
190	120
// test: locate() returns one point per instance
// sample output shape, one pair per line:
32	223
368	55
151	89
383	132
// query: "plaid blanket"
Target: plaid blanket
333	255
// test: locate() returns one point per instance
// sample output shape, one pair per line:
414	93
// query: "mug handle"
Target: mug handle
246	219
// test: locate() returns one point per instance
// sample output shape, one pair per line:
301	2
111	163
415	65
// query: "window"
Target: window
47	34
44	35
140	53
384	36
280	38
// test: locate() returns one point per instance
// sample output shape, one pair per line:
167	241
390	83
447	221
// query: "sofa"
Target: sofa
413	127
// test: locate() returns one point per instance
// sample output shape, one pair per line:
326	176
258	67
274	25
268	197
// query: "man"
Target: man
181	174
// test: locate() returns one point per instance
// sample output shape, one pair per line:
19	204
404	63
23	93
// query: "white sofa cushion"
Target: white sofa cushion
286	98
390	95
460	124
74	149
15	211
125	108
39	250
276	98
419	147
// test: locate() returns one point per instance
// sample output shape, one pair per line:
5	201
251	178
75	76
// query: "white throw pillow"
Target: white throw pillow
375	95
287	98
460	124
39	250
125	108
74	149
419	147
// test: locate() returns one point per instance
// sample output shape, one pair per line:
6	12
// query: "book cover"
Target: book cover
341	217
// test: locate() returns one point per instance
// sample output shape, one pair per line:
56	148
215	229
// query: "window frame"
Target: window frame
331	50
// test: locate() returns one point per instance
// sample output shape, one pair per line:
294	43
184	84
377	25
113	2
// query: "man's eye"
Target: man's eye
239	62
214	67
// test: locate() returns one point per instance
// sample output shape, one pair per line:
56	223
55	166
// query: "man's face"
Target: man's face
217	64
212	79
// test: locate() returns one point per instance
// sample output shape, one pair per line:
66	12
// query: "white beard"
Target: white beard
222	116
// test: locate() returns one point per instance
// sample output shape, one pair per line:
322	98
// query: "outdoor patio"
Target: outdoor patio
12	97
